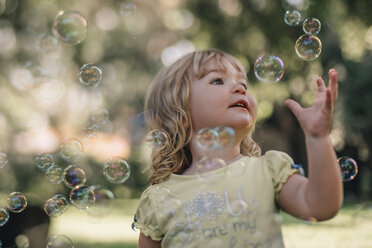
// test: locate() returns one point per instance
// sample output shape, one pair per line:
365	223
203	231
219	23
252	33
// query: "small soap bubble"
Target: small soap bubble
32	75
292	17
60	241
100	116
269	69
90	75
349	168
91	129
73	176
54	174
56	205
44	161
47	43
207	164
4	217
70	27
226	136
82	197
71	149
16	202
156	139
207	138
116	170
127	9
51	88
311	26
161	193
105	198
3	160
308	47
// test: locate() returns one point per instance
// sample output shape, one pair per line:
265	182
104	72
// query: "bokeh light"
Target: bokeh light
349	168
60	241
116	170
269	69
32	75
73	176
82	197
47	43
51	89
16	202
311	26
70	27
308	47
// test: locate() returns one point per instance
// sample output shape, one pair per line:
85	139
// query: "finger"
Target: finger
293	106
333	83
328	100
321	85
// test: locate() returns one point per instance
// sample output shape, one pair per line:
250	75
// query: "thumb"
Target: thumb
293	106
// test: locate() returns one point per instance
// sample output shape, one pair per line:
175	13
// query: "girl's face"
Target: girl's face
221	98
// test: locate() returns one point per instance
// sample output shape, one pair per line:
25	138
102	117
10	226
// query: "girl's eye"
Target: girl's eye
244	85
217	81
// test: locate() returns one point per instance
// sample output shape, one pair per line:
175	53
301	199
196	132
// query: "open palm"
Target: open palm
316	120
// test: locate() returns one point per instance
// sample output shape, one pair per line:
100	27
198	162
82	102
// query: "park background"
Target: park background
130	49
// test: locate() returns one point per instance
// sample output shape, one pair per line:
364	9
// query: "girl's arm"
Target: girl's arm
321	194
147	242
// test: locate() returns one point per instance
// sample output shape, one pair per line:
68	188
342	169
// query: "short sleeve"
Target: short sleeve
145	218
280	169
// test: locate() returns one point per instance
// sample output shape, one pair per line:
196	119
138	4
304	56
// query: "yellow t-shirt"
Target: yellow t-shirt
234	206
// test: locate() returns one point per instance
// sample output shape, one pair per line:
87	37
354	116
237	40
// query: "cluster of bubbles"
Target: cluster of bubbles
269	69
215	138
308	46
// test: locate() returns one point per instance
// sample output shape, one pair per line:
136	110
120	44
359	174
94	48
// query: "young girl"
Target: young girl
195	204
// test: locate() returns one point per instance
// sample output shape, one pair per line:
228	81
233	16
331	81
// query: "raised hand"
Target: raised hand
316	120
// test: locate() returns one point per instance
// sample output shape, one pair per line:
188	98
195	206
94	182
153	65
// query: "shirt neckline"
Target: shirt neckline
216	171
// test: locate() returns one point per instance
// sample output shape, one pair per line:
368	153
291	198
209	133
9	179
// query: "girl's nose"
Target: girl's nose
239	89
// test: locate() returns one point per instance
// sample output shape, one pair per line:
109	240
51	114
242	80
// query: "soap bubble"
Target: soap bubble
116	170
47	43
32	75
82	197
226	136
4	217
73	176
269	69
207	138
127	9
70	27
90	75
44	161
91	129
16	202
100	116
54	174
349	168
71	149
104	203
308	47
51	88
208	164
3	160
156	139
60	241
311	26
292	17
56	205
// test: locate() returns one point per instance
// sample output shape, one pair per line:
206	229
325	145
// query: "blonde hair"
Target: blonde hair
167	108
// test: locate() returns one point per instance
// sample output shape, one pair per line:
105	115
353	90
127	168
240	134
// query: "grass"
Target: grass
351	228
